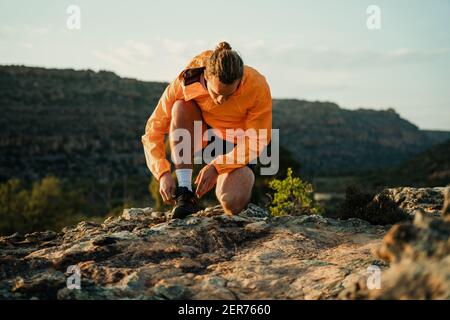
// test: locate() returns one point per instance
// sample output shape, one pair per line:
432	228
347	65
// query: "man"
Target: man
217	89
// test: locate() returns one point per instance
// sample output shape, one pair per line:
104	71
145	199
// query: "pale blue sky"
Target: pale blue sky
317	50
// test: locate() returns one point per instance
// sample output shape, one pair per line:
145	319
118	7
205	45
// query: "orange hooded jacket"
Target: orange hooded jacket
249	107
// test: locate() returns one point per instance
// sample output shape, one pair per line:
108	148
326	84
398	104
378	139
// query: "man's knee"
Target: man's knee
232	204
185	109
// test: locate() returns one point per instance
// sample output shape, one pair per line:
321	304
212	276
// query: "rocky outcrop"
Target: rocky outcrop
428	201
145	255
206	256
418	252
446	206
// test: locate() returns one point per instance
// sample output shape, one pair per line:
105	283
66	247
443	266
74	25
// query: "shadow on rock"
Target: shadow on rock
379	209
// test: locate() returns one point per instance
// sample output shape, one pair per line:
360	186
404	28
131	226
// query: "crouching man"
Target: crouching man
218	91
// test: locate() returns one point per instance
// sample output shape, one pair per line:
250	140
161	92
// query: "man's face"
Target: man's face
218	91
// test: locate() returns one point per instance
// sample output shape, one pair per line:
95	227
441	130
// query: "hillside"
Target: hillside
329	140
429	168
74	123
81	126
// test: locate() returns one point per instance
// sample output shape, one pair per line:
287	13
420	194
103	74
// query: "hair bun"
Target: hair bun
223	46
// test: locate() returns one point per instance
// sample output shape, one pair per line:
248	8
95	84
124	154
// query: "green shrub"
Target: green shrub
43	205
292	196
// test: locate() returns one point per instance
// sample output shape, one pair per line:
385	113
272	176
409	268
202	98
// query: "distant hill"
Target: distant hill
84	124
437	135
329	140
430	168
81	126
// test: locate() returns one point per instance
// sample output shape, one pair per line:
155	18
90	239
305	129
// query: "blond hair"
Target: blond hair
225	63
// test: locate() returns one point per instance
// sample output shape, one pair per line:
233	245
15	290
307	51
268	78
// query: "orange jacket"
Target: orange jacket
249	107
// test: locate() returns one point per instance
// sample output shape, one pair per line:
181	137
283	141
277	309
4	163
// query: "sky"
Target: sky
315	50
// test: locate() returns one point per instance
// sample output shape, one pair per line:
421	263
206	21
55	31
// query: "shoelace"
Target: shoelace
187	197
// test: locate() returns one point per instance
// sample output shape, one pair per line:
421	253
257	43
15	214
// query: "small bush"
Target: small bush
292	196
43	205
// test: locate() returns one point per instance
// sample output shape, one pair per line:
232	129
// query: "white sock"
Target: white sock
184	177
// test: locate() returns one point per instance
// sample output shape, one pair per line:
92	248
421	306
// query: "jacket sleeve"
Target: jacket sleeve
157	127
259	116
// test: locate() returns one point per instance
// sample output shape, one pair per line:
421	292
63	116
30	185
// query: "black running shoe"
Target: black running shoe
186	203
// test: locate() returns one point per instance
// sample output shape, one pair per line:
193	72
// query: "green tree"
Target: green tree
13	205
292	196
46	203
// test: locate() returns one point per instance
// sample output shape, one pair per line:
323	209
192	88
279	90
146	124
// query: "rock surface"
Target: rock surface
428	201
145	255
418	252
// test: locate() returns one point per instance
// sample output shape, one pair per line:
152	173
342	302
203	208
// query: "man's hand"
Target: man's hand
167	187
206	179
